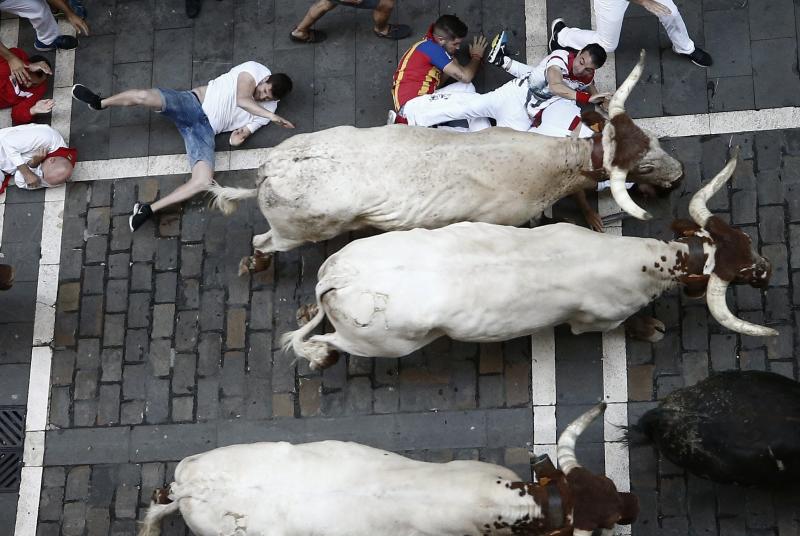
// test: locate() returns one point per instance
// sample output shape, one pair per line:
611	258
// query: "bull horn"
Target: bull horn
566	442
617	104
718	307
697	206
622	197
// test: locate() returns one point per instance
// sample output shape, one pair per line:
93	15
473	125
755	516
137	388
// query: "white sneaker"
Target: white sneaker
497	53
391	117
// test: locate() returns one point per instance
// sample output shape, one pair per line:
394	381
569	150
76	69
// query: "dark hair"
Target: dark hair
451	25
281	85
36	57
597	53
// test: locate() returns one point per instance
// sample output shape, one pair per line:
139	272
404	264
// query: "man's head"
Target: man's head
589	59
274	87
57	166
38	77
449	31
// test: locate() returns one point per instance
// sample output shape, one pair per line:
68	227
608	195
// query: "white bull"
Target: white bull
331	488
391	294
319	185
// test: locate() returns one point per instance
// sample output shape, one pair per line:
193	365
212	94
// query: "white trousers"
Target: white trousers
608	18
506	105
450	103
38	12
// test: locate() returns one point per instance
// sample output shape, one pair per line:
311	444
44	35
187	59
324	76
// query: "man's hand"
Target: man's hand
37	158
44	106
78	23
655	8
602	98
19	70
478	47
285	123
39	67
238	136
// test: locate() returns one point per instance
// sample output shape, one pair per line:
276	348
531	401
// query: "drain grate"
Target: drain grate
12	439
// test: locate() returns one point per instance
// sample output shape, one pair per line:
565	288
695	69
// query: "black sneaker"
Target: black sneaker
63	42
141	213
84	94
700	57
497	52
556	26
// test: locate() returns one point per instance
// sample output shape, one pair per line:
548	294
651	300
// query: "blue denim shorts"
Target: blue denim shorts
185	110
365	4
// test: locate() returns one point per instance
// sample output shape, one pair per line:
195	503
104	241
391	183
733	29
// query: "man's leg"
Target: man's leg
676	29
38	12
202	175
315	12
449	104
133	97
381	14
608	18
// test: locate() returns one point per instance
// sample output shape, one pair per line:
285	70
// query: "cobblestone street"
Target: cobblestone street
161	350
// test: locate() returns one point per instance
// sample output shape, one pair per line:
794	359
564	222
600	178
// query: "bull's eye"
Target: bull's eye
644	169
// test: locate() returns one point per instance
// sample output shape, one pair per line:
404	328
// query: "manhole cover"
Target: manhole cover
12	439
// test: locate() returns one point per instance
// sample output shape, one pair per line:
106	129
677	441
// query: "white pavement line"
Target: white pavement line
44	320
543	392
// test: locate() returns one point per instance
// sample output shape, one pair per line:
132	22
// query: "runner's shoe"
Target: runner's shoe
141	213
497	52
84	94
556	26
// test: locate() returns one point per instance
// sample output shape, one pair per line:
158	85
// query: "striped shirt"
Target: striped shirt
419	71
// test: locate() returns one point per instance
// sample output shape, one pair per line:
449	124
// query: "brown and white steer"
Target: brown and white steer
316	186
332	488
390	294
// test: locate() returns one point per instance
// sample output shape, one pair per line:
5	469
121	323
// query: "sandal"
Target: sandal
314	36
395	32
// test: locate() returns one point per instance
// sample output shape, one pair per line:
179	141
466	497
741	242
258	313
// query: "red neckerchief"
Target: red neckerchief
583	78
4	185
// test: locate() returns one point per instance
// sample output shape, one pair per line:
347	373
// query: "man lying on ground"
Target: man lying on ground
36	156
25	98
240	102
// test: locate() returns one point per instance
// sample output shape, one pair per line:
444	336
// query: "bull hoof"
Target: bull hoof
645	328
328	361
255	263
305	313
161	496
6	276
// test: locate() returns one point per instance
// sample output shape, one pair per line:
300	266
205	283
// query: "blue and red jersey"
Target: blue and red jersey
420	70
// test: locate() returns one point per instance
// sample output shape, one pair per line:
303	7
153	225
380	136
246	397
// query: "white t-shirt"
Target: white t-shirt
537	75
19	144
220	100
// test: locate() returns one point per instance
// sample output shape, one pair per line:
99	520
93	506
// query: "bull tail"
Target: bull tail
151	526
316	353
226	198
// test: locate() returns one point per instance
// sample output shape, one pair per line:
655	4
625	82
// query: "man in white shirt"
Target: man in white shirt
36	156
240	102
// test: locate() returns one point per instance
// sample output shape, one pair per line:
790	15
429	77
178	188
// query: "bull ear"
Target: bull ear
593	120
684	227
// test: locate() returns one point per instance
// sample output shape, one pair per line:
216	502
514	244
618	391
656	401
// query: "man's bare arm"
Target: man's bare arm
30	177
245	86
467	72
18	70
